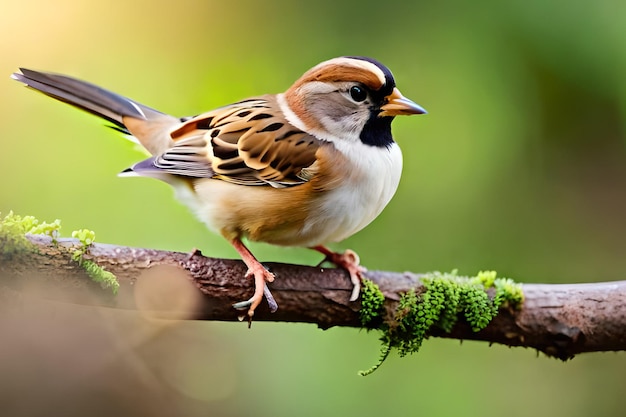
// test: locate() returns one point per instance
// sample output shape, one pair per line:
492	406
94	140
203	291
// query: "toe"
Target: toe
261	277
350	257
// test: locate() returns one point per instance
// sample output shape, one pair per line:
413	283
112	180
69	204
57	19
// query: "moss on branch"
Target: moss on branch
441	300
13	231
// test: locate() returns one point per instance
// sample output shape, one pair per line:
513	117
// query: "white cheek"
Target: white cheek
348	128
350	120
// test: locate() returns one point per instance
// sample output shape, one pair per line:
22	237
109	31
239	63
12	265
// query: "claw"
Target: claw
356	287
273	305
242	305
349	260
270	299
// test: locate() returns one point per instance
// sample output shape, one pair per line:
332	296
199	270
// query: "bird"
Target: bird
307	167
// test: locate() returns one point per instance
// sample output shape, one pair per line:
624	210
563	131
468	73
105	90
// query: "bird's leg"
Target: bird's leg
349	261
261	277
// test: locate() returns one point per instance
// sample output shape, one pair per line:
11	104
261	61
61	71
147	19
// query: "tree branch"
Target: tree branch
559	320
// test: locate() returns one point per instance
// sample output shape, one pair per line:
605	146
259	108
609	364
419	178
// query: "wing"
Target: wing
248	143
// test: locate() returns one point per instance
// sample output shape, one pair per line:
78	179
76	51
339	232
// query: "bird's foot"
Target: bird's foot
350	261
261	277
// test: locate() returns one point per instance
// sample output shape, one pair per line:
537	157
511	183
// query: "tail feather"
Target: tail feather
126	115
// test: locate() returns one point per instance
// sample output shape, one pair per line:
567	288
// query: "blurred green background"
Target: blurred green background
520	166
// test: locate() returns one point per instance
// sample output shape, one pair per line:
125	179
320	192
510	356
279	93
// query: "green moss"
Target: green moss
443	299
85	236
97	274
384	352
101	276
13	231
372	305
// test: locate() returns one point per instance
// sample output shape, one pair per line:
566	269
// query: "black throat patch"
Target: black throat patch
377	131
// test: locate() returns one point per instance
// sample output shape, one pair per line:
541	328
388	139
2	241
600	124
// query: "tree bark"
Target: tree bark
559	320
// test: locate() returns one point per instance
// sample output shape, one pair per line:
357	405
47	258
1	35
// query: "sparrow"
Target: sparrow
306	167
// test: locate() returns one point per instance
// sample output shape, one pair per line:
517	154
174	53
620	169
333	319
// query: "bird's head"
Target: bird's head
349	98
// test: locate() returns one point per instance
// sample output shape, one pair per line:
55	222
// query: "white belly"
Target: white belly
362	196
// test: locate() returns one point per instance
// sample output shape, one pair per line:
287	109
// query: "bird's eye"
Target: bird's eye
357	93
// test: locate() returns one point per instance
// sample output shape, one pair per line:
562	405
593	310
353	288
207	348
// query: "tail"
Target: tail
149	126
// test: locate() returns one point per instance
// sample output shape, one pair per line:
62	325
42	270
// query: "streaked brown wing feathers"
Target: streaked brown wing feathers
246	143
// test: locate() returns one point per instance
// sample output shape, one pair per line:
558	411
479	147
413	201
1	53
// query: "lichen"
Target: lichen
442	299
13	231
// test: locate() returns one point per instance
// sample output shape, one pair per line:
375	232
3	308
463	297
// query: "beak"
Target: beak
398	105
